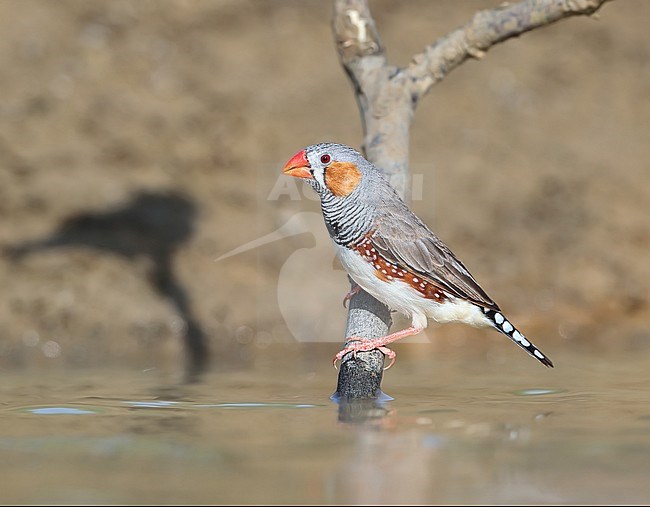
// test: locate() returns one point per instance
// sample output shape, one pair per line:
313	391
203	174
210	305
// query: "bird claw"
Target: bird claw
355	345
345	350
388	353
350	294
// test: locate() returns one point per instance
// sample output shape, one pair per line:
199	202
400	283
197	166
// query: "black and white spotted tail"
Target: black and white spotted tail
504	326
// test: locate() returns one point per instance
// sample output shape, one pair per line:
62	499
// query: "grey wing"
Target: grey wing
403	239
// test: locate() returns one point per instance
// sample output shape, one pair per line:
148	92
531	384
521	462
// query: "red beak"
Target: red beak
298	166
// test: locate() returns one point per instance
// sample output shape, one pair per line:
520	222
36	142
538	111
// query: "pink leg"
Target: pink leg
357	344
349	295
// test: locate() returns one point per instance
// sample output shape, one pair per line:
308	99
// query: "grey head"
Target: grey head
352	190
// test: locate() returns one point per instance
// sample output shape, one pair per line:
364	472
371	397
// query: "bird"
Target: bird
391	254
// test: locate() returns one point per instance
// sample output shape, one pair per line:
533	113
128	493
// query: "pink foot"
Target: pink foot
350	294
357	344
362	345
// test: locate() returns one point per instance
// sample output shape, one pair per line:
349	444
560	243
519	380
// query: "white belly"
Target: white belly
403	298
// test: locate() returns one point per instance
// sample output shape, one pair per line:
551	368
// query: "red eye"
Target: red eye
325	159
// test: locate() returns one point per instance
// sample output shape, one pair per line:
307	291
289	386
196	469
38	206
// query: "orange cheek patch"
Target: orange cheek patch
342	178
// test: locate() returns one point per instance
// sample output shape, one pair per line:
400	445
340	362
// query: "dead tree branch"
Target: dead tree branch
387	97
486	29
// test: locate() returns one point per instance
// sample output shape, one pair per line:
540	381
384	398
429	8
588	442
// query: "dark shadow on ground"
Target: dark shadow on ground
152	225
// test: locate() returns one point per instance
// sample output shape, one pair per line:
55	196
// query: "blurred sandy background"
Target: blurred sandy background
141	140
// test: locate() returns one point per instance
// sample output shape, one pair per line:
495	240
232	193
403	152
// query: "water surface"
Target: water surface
458	430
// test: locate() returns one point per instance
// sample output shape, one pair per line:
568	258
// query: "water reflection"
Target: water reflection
58	411
537	392
268	435
368	412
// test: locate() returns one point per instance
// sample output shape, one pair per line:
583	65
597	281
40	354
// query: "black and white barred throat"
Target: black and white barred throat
347	219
